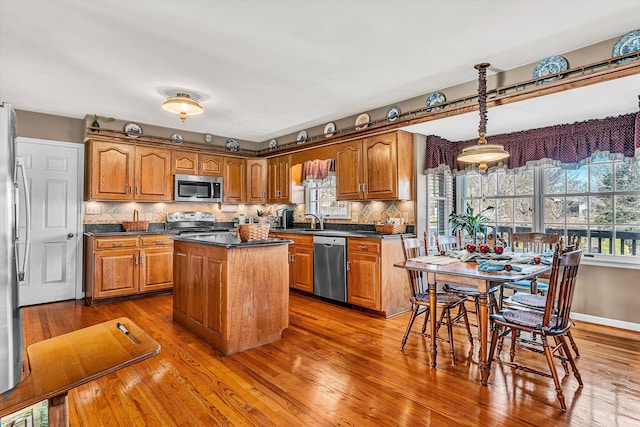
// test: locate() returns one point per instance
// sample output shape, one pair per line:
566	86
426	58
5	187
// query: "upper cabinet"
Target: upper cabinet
256	181
234	180
125	172
279	179
379	167
188	163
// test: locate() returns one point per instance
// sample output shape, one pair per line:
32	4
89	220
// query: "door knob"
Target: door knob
70	236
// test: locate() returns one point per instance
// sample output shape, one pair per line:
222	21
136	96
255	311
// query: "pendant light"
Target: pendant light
482	152
182	104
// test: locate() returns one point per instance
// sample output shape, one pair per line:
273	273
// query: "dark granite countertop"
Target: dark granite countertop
228	240
371	234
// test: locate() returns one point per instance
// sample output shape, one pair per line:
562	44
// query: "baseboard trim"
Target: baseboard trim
606	321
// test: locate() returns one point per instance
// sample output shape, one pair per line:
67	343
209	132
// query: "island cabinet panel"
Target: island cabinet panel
241	294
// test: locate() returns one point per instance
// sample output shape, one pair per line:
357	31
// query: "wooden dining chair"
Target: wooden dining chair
553	322
528	242
452	243
445	302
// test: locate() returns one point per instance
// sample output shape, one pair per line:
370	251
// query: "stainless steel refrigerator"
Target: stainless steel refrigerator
14	249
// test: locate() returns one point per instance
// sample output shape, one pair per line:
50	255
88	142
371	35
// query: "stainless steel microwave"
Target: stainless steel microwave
196	188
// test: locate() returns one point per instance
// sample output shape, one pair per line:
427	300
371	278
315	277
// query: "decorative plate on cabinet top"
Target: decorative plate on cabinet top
208	138
273	144
434	99
177	138
362	121
133	129
550	65
329	128
232	145
628	43
302	137
393	113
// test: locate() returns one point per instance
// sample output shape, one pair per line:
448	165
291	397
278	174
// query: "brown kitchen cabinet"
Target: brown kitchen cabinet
279	179
256	181
124	172
117	267
372	280
378	167
300	261
188	163
234	180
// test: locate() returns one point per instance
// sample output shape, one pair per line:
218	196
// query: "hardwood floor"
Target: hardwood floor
336	366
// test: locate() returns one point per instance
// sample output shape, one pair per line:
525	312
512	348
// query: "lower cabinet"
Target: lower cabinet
372	280
300	261
123	266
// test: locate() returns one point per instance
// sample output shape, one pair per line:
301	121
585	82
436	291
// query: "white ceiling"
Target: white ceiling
263	69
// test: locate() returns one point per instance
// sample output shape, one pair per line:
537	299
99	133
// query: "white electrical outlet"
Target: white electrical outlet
149	216
92	209
354	217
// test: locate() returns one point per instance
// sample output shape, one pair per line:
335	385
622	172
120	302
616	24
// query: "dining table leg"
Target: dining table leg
433	320
483	323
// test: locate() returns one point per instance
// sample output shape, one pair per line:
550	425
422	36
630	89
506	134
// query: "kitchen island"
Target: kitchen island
232	294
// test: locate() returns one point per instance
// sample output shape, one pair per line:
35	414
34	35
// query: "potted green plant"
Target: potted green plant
469	222
96	124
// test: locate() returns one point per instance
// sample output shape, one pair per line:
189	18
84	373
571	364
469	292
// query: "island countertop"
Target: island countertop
228	240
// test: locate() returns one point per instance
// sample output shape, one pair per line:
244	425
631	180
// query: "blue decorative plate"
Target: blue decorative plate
133	129
232	145
329	128
177	138
302	137
393	113
273	144
434	99
628	43
550	65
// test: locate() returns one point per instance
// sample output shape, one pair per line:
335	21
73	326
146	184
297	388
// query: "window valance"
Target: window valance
566	143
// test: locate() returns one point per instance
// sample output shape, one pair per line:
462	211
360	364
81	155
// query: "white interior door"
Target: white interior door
55	176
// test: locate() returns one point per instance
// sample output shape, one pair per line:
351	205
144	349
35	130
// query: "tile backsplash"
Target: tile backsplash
117	212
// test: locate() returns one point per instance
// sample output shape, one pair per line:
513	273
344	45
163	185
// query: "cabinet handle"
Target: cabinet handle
293	257
126	189
366	248
117	243
159	242
348	265
201	166
358	191
137	190
364	187
142	260
135	260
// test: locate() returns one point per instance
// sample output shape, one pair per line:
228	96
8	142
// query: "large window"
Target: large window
599	202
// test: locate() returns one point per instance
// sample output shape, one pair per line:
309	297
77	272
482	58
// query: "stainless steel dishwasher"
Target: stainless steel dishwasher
330	267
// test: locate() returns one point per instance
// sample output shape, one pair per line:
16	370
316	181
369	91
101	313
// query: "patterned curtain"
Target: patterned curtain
567	143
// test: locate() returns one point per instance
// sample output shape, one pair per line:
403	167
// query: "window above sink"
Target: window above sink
320	198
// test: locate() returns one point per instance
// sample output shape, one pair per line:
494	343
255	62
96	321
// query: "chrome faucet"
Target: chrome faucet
317	218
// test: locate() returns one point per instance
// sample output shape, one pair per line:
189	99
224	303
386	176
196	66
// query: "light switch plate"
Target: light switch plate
354	217
149	216
92	209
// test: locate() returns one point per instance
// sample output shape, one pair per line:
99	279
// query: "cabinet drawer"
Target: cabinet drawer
158	240
364	245
114	242
305	240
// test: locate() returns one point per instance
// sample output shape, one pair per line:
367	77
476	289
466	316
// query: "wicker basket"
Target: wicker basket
253	232
391	228
135	225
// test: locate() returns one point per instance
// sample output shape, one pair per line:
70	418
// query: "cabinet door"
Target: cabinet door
380	167
363	279
153	174
181	276
210	165
303	268
349	171
234	180
115	274
156	269
184	162
284	178
111	171
256	181
273	181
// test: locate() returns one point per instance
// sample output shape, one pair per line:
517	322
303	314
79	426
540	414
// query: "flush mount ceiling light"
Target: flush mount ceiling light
483	153
182	104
